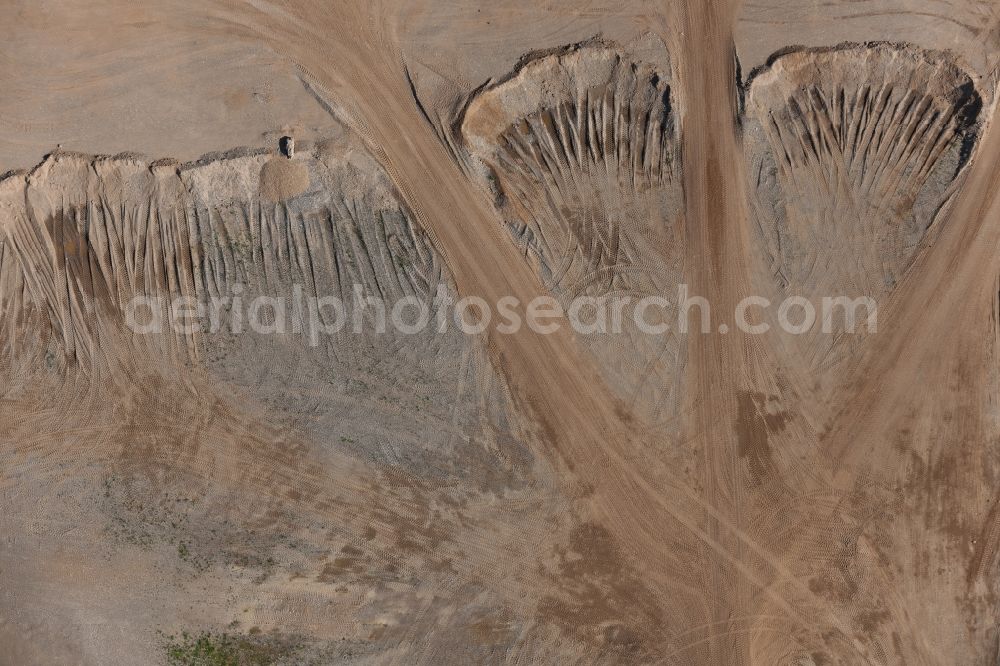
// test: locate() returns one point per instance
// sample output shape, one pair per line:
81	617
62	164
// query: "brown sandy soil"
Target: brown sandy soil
392	498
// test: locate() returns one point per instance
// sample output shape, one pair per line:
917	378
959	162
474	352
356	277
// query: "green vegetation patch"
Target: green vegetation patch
223	649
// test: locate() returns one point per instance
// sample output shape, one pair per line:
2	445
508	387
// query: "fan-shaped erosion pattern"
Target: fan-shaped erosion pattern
853	152
580	148
211	245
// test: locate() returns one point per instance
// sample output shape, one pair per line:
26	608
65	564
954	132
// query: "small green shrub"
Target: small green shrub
223	649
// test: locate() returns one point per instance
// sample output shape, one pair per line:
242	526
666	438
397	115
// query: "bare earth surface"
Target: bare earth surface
253	497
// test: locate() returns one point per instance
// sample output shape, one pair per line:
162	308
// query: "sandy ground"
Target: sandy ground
718	498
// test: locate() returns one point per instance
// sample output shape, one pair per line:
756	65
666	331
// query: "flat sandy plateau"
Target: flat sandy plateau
250	495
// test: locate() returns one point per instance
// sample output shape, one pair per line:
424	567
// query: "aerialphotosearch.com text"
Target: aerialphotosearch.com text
361	312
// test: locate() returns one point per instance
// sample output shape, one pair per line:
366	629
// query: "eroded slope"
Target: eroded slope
580	149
